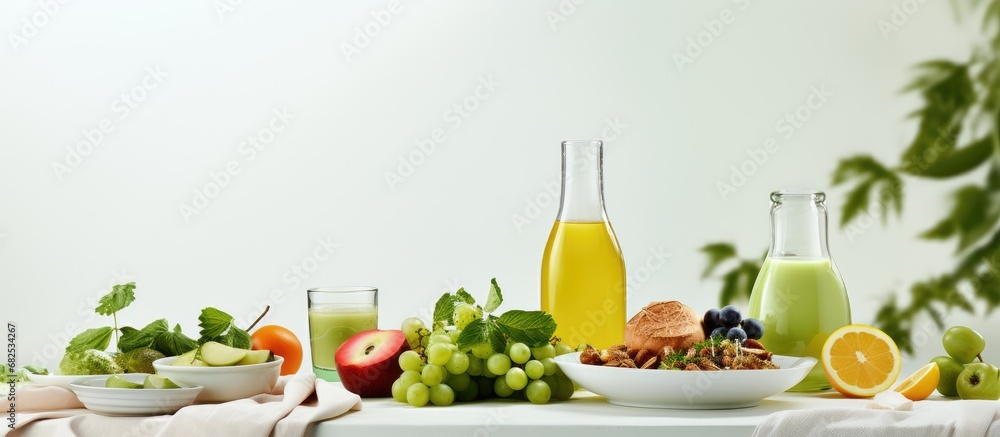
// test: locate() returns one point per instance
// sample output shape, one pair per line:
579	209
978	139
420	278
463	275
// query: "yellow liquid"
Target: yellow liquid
583	284
331	326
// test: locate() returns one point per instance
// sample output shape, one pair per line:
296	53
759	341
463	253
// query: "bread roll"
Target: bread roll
662	324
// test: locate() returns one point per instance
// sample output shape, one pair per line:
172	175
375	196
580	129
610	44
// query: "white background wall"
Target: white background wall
116	215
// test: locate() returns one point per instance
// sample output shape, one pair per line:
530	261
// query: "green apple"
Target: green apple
115	381
963	343
979	381
255	357
158	382
218	354
950	369
185	359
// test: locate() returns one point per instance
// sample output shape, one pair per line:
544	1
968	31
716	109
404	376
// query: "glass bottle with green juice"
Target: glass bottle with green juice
799	295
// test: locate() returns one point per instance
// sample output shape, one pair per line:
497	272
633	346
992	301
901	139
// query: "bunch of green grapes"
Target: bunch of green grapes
436	371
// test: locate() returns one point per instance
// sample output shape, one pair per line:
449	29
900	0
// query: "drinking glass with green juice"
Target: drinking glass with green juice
335	315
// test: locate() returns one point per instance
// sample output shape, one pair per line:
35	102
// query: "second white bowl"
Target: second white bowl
131	401
223	384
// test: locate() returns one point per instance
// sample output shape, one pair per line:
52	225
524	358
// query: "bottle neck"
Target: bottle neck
582	182
798	224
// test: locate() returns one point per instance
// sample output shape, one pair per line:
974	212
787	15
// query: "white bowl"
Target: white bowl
683	389
223	384
132	401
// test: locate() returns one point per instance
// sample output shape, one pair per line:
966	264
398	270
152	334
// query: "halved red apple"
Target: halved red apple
368	362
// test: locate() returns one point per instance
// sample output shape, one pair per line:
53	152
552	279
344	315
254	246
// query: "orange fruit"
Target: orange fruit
860	361
282	342
921	383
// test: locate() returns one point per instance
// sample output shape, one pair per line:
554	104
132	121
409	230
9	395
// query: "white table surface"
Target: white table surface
585	415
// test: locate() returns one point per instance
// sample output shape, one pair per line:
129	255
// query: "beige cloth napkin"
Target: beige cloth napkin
296	402
888	415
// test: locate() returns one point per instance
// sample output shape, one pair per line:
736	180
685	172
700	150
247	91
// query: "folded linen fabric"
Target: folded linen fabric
295	403
889	415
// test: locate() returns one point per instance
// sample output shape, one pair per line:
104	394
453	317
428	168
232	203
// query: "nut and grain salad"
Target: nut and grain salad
712	354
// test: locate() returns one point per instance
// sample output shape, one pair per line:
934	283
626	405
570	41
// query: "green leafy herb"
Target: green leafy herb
681	356
117	299
213	323
494	298
94	338
463	296
176	343
497	339
219	326
482	331
533	328
444	308
135	339
476	333
121	296
157	335
235	337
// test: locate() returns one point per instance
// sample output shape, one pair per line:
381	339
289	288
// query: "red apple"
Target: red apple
368	362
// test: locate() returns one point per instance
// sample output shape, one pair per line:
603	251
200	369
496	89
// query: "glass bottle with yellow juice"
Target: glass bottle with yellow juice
799	294
583	272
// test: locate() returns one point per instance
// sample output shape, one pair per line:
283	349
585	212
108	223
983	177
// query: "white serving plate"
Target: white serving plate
132	401
224	383
680	389
56	380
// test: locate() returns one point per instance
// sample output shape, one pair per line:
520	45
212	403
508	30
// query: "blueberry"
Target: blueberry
712	320
753	328
730	316
737	334
721	331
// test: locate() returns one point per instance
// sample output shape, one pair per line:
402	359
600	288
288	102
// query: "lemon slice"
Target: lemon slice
921	383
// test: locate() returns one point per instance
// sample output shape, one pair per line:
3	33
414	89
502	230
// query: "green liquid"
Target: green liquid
800	301
331	326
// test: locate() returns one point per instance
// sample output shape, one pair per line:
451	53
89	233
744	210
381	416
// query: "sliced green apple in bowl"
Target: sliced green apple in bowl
213	354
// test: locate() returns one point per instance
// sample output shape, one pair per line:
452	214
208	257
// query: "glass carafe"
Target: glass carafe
799	294
583	272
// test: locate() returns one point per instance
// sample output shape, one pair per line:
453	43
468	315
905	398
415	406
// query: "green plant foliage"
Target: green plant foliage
958	132
959	98
872	177
737	282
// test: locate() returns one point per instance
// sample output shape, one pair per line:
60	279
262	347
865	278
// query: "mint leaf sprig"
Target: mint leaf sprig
533	328
117	299
120	297
94	338
157	335
215	325
219	326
